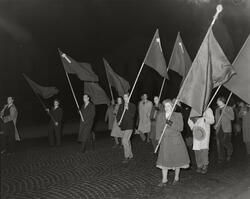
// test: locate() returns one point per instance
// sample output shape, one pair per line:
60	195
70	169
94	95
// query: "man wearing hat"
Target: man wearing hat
201	136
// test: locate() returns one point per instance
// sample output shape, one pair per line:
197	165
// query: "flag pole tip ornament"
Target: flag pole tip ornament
199	133
219	8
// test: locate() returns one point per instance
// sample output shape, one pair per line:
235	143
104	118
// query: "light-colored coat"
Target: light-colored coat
144	116
205	121
226	120
12	117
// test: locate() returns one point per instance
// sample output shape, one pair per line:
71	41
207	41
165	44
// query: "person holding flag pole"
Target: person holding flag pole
198	82
218	10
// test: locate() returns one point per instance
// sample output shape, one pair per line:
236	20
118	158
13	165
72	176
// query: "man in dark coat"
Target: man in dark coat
126	124
55	124
88	113
9	116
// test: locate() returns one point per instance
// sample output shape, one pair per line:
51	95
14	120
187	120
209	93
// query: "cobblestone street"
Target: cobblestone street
37	171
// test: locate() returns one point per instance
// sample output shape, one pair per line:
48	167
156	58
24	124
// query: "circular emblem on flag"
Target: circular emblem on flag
199	133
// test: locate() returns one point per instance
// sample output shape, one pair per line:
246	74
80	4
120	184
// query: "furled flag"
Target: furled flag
83	70
155	58
239	84
209	69
96	93
180	61
122	86
45	92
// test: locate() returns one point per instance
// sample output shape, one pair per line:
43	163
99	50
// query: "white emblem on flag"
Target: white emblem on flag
159	42
180	44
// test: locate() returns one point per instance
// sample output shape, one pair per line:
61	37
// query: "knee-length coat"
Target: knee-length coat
86	126
173	152
144	116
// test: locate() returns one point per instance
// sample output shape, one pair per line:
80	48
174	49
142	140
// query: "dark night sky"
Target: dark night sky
120	30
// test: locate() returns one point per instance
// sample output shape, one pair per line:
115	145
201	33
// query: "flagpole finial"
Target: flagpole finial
219	8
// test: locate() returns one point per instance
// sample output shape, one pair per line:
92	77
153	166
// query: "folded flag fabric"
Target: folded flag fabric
83	71
45	92
122	86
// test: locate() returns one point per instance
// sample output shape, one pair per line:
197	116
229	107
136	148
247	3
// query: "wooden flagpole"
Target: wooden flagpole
131	92
218	10
40	100
68	60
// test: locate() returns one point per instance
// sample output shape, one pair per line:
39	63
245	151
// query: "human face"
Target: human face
85	98
156	100
119	100
220	103
126	98
168	107
144	97
56	103
10	100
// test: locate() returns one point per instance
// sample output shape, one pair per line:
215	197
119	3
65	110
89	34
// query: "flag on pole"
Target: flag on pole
122	86
83	70
239	84
210	69
197	86
45	92
180	61
97	94
155	58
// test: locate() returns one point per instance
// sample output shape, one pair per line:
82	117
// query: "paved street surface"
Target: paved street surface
37	171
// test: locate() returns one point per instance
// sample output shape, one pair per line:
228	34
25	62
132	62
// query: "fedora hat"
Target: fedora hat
199	133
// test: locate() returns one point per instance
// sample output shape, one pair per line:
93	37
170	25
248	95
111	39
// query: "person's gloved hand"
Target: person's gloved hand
169	122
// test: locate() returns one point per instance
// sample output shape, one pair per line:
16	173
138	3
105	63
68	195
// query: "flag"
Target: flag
96	93
222	69
197	86
155	58
83	70
180	61
239	84
209	70
122	86
45	92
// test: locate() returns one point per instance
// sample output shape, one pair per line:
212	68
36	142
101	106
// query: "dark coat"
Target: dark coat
88	114
127	122
173	152
57	114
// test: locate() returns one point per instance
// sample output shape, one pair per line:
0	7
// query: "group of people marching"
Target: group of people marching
173	153
153	119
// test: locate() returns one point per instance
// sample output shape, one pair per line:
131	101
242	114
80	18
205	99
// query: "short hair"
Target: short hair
57	100
167	101
222	99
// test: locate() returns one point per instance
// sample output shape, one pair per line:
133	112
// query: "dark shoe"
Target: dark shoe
175	182
204	169
220	161
162	184
115	146
125	161
199	170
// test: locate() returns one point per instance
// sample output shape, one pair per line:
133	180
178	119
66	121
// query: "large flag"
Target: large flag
45	92
180	61
197	86
97	94
83	70
209	70
155	58
122	86
239	84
